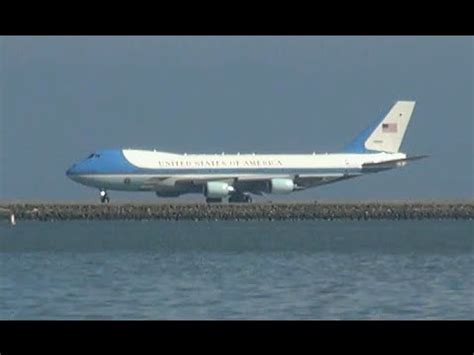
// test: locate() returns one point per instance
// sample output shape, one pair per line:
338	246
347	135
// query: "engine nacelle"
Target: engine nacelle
281	186
217	189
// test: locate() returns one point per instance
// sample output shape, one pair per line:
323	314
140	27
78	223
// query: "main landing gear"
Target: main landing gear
213	200
104	198
234	198
240	198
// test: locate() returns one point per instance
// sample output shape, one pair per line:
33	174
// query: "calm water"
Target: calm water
237	270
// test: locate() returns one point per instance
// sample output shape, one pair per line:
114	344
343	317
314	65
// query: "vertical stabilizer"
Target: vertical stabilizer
386	135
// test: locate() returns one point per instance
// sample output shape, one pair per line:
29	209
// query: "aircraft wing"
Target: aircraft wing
256	184
302	181
311	181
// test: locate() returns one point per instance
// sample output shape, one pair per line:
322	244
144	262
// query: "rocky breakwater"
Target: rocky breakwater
254	211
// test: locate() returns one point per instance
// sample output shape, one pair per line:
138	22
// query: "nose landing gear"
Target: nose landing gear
104	198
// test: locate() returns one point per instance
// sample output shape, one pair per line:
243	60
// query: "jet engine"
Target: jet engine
281	186
217	189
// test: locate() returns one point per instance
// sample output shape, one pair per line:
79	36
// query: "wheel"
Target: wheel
240	198
104	198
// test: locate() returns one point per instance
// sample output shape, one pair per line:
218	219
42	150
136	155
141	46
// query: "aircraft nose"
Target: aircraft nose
72	170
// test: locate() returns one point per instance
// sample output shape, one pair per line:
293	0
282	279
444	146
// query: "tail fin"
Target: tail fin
386	135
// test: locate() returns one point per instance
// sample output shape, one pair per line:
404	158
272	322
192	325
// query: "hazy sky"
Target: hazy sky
61	98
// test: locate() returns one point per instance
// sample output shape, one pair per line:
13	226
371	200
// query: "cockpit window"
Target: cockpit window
93	156
90	156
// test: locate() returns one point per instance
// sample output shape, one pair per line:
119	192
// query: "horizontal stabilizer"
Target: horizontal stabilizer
392	163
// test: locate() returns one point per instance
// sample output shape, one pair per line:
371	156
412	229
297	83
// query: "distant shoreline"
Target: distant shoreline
383	210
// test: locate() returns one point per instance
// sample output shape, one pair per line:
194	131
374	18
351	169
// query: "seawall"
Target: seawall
254	211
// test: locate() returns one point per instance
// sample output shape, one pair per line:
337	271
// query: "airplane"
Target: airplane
236	176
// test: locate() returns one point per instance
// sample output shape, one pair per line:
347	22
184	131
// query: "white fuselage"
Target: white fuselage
165	169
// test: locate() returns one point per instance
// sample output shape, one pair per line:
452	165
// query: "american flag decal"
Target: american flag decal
389	127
